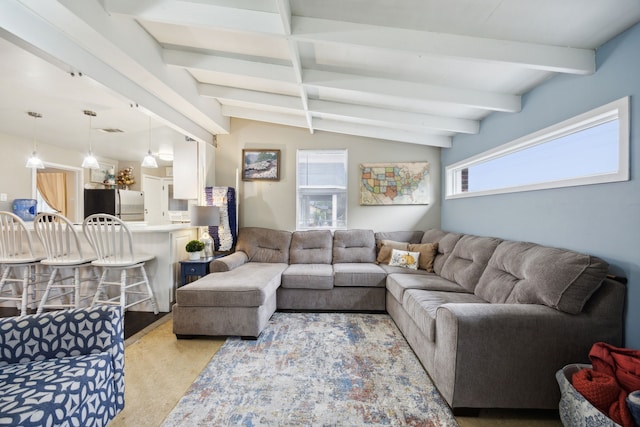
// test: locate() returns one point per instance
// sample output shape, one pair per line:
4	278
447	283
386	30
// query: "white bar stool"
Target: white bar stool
113	244
63	252
19	262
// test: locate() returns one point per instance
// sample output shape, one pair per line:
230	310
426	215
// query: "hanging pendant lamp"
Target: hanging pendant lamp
90	162
34	161
149	161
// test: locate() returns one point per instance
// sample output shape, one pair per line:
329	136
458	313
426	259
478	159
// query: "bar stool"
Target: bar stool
113	244
17	253
63	252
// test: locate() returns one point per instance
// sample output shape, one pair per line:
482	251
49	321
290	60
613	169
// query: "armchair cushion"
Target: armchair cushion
79	351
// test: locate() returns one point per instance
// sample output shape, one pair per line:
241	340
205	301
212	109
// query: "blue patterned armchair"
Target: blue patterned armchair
62	368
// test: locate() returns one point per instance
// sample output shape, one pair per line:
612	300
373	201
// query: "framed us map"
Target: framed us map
394	183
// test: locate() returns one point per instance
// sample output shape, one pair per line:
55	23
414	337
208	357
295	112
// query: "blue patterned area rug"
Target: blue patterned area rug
315	369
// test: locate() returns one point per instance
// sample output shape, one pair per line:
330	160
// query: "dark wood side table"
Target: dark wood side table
194	268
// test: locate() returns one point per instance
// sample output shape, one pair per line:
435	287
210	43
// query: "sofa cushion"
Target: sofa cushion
249	285
264	245
446	242
468	260
398	283
422	305
522	272
399	236
354	246
404	259
385	247
427	252
75	390
311	247
358	274
391	269
308	276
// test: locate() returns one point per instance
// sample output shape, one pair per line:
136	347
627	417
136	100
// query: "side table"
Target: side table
194	268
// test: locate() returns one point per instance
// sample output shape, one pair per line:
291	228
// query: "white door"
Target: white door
152	187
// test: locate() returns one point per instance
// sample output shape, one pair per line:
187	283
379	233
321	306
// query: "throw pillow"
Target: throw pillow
386	246
404	259
428	253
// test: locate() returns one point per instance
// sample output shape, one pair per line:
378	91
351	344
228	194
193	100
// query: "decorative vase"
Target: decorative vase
194	255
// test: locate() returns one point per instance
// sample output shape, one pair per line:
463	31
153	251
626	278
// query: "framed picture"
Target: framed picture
100	175
394	183
260	165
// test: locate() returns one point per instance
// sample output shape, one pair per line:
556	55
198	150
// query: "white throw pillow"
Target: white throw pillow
404	259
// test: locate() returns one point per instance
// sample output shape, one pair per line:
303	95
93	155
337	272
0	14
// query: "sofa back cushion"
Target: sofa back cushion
354	246
468	260
522	272
311	247
446	242
264	245
399	236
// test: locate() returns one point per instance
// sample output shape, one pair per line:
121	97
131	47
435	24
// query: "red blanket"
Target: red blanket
615	373
621	363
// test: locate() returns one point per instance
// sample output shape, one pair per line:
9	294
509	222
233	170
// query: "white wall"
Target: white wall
15	179
273	204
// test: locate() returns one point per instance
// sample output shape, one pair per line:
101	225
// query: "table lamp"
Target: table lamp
205	216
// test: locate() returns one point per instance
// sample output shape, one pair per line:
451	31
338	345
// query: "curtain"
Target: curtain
53	188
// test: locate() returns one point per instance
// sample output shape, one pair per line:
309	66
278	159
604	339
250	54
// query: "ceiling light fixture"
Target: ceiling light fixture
149	161
90	161
34	161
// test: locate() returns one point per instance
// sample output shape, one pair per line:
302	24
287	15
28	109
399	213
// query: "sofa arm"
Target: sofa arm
513	350
229	262
66	333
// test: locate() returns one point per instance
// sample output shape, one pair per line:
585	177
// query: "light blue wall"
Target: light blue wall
603	219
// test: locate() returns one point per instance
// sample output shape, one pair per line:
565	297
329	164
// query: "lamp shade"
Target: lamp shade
205	216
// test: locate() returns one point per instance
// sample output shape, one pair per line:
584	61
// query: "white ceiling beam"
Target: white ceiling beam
339	111
383	133
284	7
189	13
120	55
339	127
410	90
220	64
265	116
226	94
392	119
528	55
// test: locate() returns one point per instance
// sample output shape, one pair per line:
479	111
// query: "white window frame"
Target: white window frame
342	189
616	110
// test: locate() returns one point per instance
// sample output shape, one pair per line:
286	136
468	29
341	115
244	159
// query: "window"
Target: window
588	149
321	189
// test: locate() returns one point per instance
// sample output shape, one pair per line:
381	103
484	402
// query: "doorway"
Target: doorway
73	178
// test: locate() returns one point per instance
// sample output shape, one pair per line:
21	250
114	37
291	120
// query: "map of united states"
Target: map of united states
401	183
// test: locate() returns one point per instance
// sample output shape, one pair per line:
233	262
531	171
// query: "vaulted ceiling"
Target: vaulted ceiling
412	71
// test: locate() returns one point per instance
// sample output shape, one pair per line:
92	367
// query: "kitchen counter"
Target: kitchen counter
166	242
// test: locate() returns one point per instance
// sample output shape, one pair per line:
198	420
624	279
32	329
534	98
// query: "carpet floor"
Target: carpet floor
315	369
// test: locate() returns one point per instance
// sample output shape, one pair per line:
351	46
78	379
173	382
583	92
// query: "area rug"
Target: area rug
315	369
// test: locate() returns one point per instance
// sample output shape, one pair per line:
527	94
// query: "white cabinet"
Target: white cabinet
185	169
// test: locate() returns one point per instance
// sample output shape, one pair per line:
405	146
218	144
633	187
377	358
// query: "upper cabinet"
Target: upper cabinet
185	169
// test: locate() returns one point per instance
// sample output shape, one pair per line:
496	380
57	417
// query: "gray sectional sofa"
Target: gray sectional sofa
491	320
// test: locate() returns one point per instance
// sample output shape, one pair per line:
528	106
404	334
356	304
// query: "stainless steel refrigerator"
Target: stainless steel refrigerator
127	205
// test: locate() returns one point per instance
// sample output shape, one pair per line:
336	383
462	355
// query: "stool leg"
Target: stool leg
123	289
100	289
45	297
76	287
154	304
26	274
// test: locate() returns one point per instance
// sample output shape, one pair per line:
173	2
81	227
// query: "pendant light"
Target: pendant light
34	161
149	161
90	161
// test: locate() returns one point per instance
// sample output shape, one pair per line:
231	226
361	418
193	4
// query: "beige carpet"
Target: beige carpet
159	369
